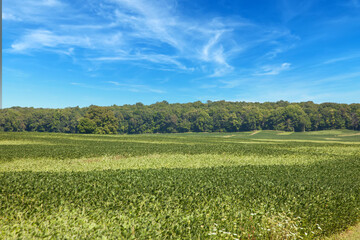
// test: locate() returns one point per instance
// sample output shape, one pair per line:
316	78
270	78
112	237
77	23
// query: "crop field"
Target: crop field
248	185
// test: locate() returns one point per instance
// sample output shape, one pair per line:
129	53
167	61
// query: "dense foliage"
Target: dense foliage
163	117
260	185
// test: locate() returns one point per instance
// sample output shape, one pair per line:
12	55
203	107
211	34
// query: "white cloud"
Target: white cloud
293	9
337	78
341	59
50	3
151	32
208	86
273	70
160	59
135	87
39	11
117	86
10	17
38	39
206	49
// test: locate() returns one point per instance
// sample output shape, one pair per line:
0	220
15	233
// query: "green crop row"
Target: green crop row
71	146
247	201
195	186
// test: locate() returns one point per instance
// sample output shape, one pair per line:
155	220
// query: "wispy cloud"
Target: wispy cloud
342	59
156	24
160	59
112	85
50	3
340	78
208	86
273	70
151	32
10	17
293	9
33	11
40	39
135	87
133	45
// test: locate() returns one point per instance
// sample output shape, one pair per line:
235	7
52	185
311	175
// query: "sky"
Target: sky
65	53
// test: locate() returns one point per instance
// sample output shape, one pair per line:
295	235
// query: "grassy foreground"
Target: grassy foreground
251	185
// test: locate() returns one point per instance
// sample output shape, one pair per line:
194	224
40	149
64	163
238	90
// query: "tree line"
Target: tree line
162	117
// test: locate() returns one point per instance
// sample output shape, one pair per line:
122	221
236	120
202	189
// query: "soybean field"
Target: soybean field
246	185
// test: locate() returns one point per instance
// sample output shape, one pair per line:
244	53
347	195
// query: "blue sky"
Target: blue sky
60	53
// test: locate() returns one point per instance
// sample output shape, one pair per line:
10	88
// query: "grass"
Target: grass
353	233
267	185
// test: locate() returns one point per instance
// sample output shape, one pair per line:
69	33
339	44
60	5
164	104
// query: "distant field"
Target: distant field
248	185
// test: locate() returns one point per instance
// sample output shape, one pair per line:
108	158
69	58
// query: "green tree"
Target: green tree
86	125
104	119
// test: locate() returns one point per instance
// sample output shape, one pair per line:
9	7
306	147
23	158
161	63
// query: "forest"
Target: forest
163	117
